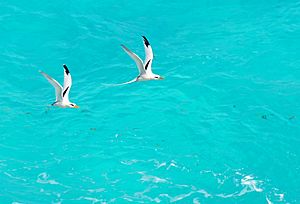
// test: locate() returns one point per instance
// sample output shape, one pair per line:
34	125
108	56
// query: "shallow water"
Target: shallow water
223	127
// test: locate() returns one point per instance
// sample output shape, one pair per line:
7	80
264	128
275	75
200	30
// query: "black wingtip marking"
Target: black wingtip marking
146	67
65	91
146	41
66	68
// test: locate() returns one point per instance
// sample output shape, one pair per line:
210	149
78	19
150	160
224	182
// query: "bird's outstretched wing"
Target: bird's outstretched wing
138	61
67	83
148	55
56	85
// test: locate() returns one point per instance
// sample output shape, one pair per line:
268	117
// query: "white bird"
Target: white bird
62	93
145	68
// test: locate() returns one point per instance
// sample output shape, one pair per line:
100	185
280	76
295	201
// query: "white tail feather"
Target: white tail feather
128	82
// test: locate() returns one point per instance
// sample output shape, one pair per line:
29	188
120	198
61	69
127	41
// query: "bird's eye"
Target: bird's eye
72	104
156	77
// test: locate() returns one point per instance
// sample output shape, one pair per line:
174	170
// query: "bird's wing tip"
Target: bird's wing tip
146	42
124	47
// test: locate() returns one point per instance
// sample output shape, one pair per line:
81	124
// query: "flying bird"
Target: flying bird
145	68
62	93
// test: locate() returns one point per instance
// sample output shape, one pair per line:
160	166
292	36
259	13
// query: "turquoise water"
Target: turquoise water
223	127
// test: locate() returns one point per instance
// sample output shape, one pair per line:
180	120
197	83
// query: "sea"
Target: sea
222	127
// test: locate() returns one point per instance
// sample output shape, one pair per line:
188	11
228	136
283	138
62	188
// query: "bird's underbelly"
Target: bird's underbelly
144	77
60	104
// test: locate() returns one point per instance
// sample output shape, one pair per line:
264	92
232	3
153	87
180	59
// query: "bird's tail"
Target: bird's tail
128	82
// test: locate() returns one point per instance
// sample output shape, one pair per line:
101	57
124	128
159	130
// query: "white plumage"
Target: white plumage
62	93
145	68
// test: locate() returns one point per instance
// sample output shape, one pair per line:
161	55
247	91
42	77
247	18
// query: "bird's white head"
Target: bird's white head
73	105
157	77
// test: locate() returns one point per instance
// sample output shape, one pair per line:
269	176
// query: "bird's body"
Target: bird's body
145	68
62	93
62	104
